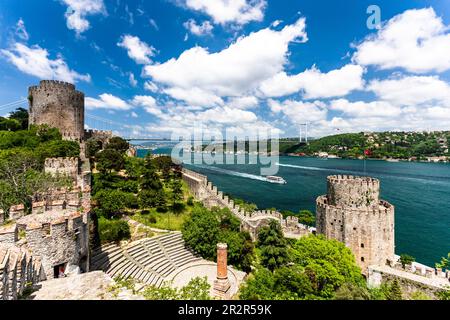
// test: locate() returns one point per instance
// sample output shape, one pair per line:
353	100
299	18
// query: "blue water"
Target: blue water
419	191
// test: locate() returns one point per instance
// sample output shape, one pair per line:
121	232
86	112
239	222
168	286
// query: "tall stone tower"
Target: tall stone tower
352	213
59	105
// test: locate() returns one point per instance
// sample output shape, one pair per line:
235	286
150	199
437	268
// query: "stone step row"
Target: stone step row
148	261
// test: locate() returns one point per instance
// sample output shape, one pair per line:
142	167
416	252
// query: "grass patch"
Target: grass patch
162	220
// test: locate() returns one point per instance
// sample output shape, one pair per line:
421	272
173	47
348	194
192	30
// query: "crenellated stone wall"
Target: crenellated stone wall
352	213
57	230
63	166
414	277
58	238
210	196
18	270
102	136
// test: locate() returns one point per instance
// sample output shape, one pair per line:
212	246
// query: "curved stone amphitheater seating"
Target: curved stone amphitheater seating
149	261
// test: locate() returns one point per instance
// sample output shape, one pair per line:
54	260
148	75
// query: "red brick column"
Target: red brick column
222	266
222	284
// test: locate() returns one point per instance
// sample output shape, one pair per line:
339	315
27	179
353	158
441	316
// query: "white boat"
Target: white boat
275	179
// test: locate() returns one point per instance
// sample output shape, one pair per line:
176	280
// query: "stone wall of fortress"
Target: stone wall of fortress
18	270
57	231
58	237
412	278
210	196
59	105
352	213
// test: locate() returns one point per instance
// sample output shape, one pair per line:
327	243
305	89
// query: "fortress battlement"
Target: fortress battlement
53	85
46	223
95	132
60	105
353	213
353	191
211	197
18	269
383	207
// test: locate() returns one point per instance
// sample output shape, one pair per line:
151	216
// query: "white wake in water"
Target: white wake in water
316	168
233	173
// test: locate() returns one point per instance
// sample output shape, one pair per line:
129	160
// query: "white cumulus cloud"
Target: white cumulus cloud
35	61
412	90
230	11
107	101
416	40
315	84
233	71
137	50
202	29
78	10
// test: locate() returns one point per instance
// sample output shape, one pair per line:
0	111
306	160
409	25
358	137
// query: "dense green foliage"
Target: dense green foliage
196	289
22	156
406	259
444	263
112	230
114	202
124	184
305	217
319	268
206	228
273	246
400	145
17	120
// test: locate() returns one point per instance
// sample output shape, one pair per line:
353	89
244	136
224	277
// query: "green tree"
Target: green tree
109	160
150	179
152	199
21	116
285	283
9	124
444	294
134	167
406	259
329	263
273	246
201	231
395	291
93	146
444	263
114	202
113	230
197	289
307	217
118	144
177	190
352	291
22	178
206	228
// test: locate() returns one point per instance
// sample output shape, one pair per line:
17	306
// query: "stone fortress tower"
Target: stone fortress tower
353	213
60	105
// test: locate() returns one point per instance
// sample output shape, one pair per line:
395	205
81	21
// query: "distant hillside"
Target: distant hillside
398	145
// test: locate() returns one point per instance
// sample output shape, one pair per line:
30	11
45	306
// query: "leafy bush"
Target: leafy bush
319	268
273	246
206	228
113	230
197	289
152	199
114	202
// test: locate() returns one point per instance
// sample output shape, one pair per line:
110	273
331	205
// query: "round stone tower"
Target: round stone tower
353	213
59	105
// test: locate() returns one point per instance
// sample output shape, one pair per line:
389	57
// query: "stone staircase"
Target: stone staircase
148	261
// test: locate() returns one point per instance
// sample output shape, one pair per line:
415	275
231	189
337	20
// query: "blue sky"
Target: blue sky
164	66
